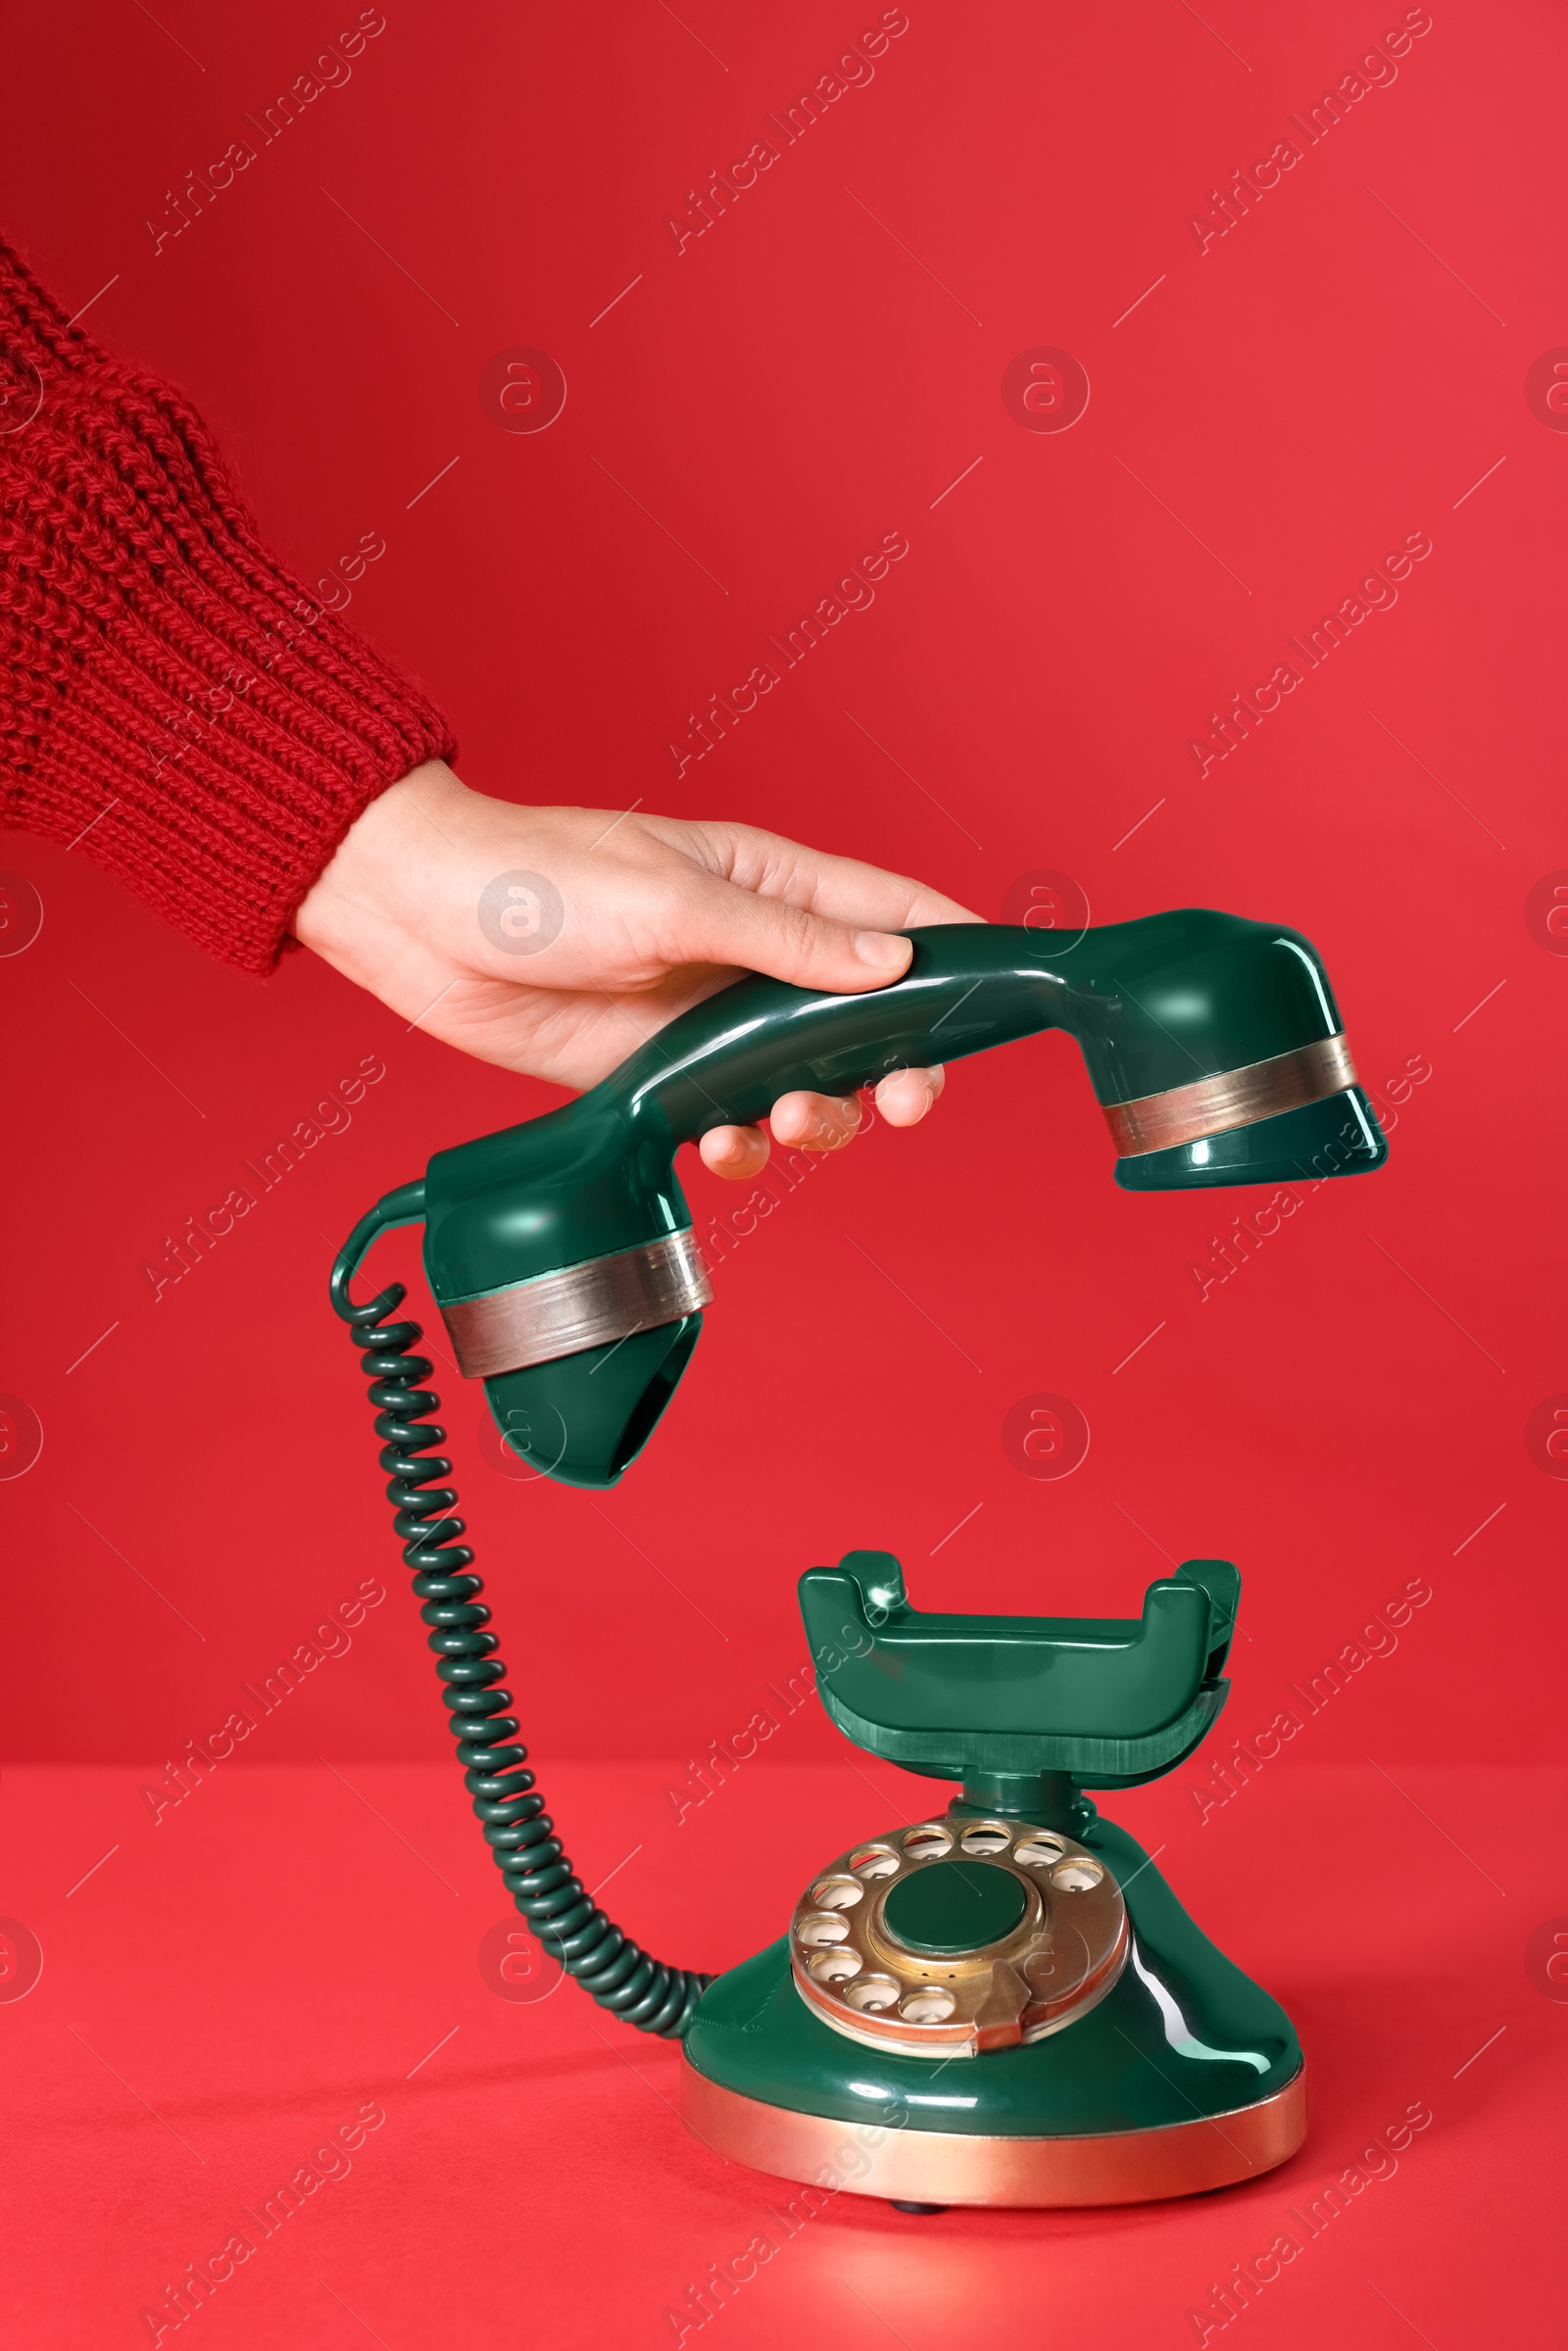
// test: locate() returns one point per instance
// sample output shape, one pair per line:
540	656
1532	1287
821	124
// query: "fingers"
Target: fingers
819	1122
815	1122
904	1097
734	1153
841	889
717	921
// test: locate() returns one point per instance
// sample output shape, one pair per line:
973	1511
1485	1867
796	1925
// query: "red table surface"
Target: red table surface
294	1944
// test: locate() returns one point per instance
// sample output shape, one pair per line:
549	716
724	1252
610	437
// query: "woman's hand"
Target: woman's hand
554	940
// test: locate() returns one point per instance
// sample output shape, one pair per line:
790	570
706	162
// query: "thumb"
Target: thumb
723	924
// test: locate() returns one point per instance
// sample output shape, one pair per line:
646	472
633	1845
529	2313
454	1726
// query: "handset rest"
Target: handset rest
1098	1698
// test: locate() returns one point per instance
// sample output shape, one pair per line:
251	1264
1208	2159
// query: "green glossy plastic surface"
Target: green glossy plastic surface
1106	1701
1183	2033
582	1419
1337	1137
1154	1004
955	1906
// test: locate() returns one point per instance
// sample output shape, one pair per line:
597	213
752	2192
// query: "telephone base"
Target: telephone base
1185	2076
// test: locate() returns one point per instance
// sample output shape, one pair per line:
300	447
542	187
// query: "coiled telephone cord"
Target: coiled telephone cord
603	1959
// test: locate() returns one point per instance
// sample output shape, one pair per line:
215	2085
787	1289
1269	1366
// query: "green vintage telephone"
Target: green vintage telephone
1110	2053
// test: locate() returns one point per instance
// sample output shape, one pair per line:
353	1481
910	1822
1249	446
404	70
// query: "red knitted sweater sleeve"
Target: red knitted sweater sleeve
164	680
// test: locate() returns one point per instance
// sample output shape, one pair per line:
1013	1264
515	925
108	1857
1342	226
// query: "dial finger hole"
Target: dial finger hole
931	2005
820	1928
838	1893
985	1837
833	1967
1077	1876
874	1861
873	1994
927	1845
1040	1851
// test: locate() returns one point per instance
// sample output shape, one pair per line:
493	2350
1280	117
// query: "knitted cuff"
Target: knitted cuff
169	694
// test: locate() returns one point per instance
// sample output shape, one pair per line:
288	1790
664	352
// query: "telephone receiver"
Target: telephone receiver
1118	2056
560	1252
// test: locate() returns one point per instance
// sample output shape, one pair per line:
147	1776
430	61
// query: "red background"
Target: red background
1273	414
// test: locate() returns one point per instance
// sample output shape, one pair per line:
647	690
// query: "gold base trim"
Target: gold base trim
1233	1098
950	2167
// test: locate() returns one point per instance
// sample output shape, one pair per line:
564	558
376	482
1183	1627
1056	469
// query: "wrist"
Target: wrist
384	863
